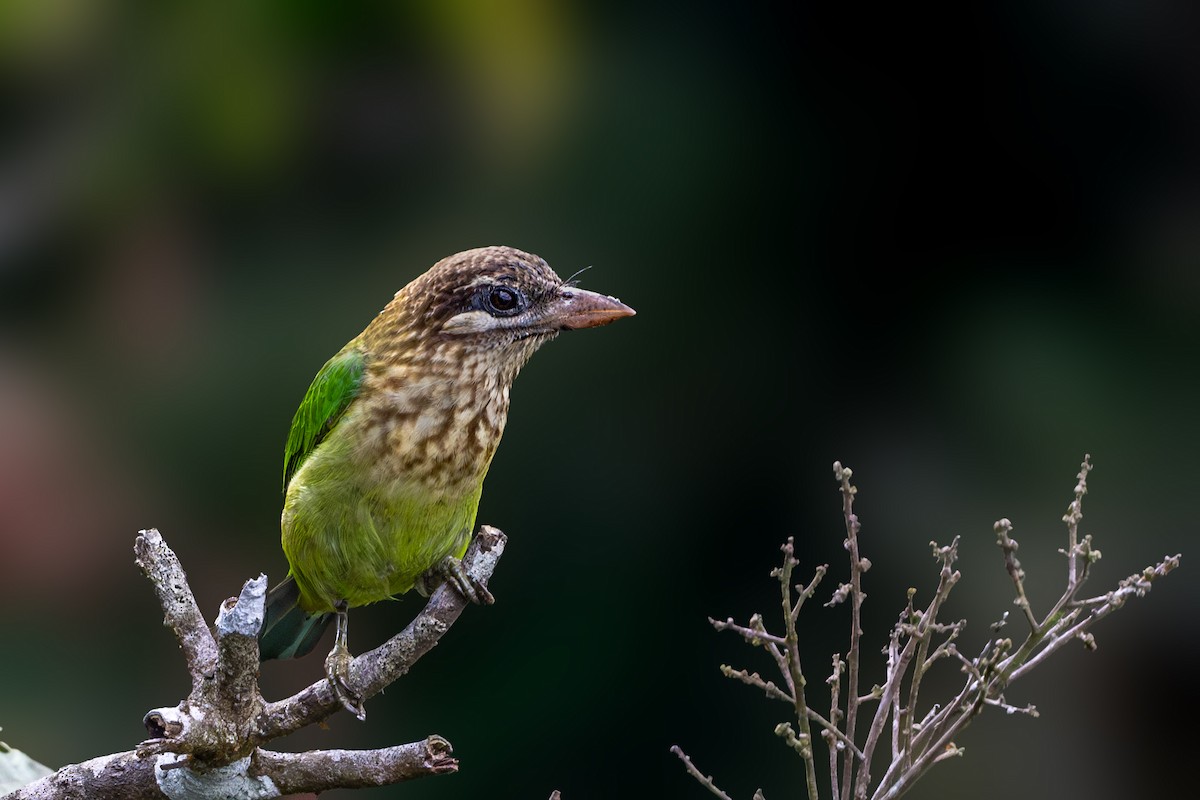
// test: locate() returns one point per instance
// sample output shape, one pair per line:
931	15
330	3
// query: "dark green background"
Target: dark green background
955	249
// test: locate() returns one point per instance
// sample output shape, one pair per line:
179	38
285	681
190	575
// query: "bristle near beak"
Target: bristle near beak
578	308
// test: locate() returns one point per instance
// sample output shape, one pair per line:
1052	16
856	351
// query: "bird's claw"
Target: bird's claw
337	670
450	569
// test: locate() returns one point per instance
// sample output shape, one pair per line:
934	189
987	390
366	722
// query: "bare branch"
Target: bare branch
1009	546
1030	709
948	577
829	729
120	776
180	612
754	679
784	573
755	634
858	566
705	780
1136	585
320	770
208	745
834	681
238	623
270	774
806	592
1072	518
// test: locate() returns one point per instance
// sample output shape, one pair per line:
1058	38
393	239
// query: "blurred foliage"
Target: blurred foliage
953	248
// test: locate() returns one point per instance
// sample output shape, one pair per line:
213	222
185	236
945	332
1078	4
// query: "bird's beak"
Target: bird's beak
579	308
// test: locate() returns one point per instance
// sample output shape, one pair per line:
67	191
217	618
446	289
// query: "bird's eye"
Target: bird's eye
503	300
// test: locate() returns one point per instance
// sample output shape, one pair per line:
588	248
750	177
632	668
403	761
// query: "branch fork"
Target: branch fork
211	743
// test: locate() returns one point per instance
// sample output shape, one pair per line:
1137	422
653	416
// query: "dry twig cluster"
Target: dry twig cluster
916	643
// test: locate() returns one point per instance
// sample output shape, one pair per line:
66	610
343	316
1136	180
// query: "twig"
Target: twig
1136	585
705	780
775	693
784	573
1009	545
755	634
946	581
1072	518
754	679
858	565
806	592
834	681
180	612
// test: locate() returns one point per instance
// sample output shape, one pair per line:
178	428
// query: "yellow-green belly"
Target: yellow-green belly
347	538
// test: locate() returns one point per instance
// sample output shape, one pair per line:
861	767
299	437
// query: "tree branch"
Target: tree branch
208	744
858	566
705	780
321	770
180	612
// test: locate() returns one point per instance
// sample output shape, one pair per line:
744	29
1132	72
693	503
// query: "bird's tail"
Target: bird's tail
288	630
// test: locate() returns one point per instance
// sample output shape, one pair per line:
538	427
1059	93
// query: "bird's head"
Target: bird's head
500	301
441	357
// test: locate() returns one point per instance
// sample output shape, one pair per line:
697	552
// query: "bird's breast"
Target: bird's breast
435	432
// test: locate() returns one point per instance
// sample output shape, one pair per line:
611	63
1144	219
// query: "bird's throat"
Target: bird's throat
433	430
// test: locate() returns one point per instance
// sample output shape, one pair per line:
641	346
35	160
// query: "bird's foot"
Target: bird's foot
450	569
337	670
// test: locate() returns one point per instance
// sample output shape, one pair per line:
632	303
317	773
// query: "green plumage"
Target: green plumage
335	386
289	631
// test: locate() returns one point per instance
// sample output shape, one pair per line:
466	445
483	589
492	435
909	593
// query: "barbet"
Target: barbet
385	461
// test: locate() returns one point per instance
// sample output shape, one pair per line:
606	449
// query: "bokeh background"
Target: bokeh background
955	249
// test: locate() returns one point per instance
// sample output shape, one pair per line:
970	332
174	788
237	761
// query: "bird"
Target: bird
386	456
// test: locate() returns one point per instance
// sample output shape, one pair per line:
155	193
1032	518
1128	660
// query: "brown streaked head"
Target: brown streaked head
497	295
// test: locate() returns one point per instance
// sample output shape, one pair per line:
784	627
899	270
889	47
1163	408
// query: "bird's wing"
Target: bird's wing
335	386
